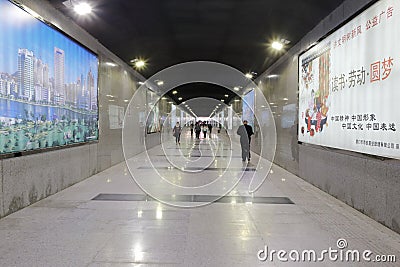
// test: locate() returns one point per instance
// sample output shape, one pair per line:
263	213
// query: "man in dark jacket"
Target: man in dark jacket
197	129
245	131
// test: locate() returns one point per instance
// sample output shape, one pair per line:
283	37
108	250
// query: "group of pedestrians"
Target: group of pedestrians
245	132
197	128
200	127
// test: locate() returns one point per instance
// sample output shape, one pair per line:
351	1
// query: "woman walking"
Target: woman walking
177	133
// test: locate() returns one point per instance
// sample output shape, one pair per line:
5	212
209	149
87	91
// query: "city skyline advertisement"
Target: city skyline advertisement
48	85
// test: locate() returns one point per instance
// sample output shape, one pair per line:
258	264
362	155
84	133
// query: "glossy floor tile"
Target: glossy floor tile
107	220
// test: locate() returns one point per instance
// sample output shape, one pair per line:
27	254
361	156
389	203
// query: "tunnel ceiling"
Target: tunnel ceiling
196	90
200	96
167	32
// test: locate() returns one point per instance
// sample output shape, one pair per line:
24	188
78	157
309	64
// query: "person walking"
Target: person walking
245	132
191	129
177	133
210	128
204	128
197	129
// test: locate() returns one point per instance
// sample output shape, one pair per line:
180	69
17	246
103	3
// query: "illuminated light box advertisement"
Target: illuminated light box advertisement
153	118
48	85
116	116
348	85
248	108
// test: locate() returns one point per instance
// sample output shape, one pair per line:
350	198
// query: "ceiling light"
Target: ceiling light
174	92
236	88
83	8
226	95
286	99
277	45
159	83
249	75
272	76
170	102
180	98
237	100
138	63
223	100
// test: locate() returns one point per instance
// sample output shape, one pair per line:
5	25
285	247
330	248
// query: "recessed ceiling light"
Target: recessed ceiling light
159	83
138	63
277	45
226	95
180	98
174	92
223	100
236	88
83	8
249	75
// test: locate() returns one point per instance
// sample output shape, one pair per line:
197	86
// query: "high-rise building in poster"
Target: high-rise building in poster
46	76
25	74
92	91
38	71
59	80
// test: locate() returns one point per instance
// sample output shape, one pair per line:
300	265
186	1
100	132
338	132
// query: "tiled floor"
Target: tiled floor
71	229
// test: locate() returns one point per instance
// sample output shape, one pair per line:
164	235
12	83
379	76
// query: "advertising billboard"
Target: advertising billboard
348	85
153	113
248	108
48	85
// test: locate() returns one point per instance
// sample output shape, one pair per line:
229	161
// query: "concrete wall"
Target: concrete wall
366	183
27	179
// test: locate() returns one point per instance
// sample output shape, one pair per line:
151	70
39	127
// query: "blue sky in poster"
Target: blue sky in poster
19	29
